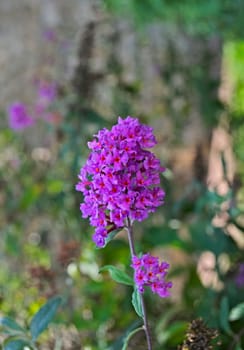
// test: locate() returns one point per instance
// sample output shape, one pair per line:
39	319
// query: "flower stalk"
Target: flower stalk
120	182
145	320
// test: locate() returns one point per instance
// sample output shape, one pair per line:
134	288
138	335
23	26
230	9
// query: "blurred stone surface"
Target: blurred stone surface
24	49
116	69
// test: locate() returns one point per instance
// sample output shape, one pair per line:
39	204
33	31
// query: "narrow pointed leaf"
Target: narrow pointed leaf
14	344
118	275
10	326
129	336
224	315
118	343
44	316
112	235
136	302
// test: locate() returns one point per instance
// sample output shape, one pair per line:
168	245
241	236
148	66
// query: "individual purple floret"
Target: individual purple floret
19	118
239	279
150	272
120	179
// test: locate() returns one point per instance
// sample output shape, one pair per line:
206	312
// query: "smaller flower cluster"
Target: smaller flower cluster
150	272
22	116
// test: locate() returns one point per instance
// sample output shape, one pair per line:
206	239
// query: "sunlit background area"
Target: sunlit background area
70	68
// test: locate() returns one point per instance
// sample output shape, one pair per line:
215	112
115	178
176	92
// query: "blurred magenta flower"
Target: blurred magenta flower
50	35
150	272
46	93
120	179
19	117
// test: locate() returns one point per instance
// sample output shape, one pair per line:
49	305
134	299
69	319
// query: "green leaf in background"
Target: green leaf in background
12	243
237	312
119	342
174	333
130	335
8	325
136	302
44	316
224	315
206	237
118	275
30	195
55	186
165	236
15	344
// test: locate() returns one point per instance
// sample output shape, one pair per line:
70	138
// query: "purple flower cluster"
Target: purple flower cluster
120	178
150	272
18	113
19	117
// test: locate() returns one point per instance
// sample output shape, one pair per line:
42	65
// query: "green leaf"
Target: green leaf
130	335
165	236
238	347
136	302
164	320
237	312
14	344
111	236
118	275
118	343
9	325
173	334
55	186
44	316
205	237
29	197
224	315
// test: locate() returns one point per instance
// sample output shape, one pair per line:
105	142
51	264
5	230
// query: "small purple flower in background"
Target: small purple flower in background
239	279
19	117
150	272
120	179
50	35
46	93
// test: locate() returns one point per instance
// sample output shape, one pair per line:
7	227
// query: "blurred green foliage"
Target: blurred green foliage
18	337
38	257
216	17
233	58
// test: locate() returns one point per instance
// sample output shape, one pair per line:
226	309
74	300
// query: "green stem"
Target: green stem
133	252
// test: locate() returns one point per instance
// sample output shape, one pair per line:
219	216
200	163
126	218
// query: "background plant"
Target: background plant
19	337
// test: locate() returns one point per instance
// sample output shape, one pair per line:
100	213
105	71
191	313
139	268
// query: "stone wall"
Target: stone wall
25	48
114	69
